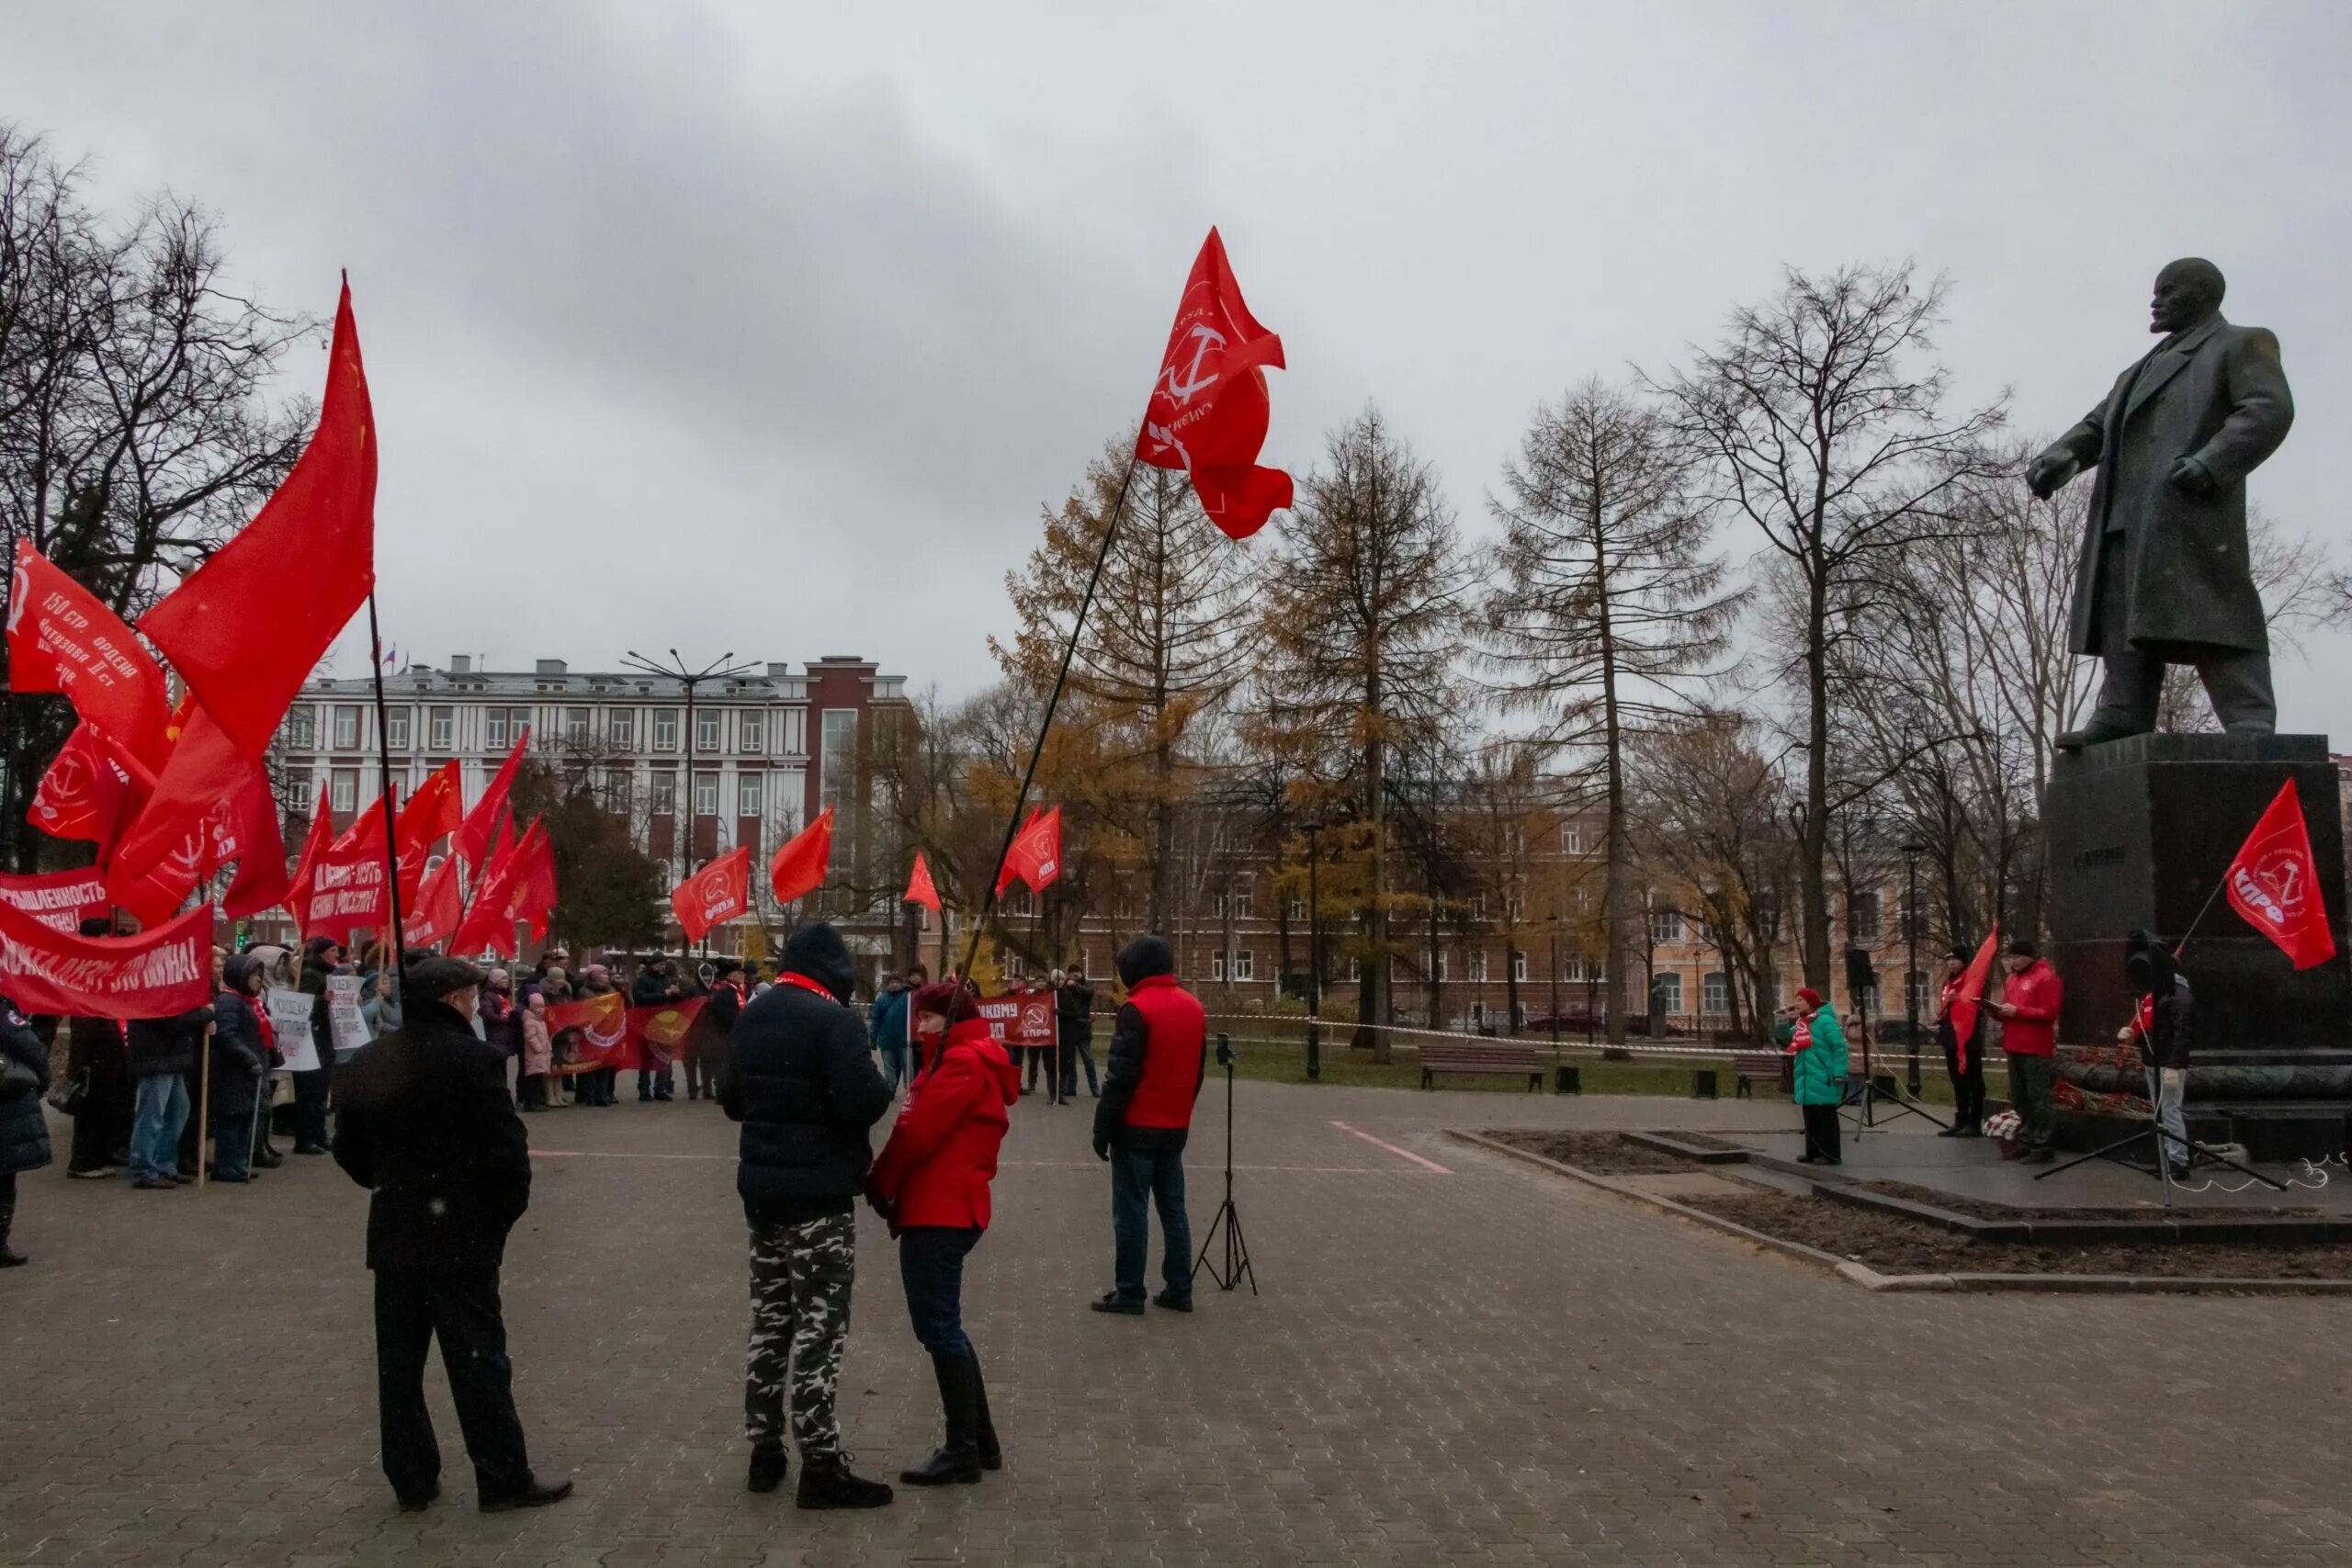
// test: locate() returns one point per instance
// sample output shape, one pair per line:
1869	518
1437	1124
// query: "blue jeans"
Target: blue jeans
931	1267
160	1117
1139	1179
1073	1053
894	1065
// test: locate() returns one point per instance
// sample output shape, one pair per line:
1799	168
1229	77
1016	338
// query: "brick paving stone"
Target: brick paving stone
1483	1365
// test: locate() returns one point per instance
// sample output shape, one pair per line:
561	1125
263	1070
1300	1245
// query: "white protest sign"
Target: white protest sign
289	1017
349	1028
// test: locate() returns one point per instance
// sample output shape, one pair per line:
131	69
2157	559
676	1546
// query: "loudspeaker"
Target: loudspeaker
1859	978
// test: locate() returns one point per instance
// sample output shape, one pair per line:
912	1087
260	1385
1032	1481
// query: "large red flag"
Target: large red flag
1209	410
157	973
489	922
61	638
534	896
247	628
437	909
919	888
719	891
1971	995
204	773
426	817
657	1034
315	844
261	882
87	793
2274	882
472	843
1011	870
1036	854
799	866
603	1022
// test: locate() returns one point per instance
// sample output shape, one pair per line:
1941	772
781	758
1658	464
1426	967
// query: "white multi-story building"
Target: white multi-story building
748	759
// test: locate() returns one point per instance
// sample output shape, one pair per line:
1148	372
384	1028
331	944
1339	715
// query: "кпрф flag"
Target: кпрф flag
2274	882
1209	411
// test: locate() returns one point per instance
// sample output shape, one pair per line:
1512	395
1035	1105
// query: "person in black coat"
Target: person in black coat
24	1133
1963	1059
163	1053
797	1075
656	983
1074	1022
321	956
240	1062
713	1026
97	1053
425	1124
2160	1027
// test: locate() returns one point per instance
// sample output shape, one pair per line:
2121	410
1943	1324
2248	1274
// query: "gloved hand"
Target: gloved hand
2193	478
1102	1150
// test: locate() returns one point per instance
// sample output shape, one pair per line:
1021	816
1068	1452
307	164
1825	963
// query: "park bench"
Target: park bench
1509	1058
1752	1068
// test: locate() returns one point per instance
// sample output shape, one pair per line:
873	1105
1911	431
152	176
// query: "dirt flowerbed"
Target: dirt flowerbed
1603	1153
1975	1209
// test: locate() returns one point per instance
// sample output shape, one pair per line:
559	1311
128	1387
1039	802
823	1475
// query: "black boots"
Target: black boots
984	1430
826	1483
957	1461
9	1258
767	1467
537	1494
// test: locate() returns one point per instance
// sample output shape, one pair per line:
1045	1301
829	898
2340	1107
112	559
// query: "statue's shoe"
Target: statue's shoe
2092	735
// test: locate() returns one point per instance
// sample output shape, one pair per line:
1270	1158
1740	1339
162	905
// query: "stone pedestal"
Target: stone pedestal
2140	833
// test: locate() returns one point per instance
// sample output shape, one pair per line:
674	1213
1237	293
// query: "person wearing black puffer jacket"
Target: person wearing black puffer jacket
239	1060
799	1076
23	1136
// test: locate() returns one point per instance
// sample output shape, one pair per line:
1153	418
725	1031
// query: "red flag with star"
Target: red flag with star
1209	411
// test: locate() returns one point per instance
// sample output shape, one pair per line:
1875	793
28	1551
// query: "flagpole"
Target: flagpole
384	784
1012	825
2202	913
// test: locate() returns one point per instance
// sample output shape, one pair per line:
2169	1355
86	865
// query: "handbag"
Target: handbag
67	1096
16	1080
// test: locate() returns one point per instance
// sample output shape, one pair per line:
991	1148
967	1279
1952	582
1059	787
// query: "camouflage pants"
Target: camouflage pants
800	1280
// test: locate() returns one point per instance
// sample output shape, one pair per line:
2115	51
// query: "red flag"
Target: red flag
719	891
315	844
920	890
60	900
1036	854
88	792
261	882
156	973
61	638
426	817
2274	882
1009	869
171	837
534	898
1971	995
437	909
657	1033
473	841
346	892
1209	410
247	628
603	1022
799	866
508	887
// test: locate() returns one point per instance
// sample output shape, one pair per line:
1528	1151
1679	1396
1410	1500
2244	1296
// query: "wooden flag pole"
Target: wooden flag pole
204	1109
1078	628
384	783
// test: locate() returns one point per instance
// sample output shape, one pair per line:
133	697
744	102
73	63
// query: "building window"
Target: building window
301	726
750	734
575	726
1572	837
1014	967
441	728
1666	992
1295	910
1355	970
1514	909
1515	839
1476	968
666	730
620	727
1477	906
705	795
836	757
1572	968
1666	926
343	790
1715	993
616	791
1519	966
1869	998
396	729
1915	995
1239	969
1234	899
1444	966
346	728
661	796
748	796
706	731
1862	919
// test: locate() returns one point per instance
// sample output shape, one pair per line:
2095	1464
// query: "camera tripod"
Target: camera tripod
2155	1136
1229	1218
1865	1101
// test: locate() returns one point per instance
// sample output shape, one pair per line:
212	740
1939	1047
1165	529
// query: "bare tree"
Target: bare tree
1821	417
1605	607
1363	615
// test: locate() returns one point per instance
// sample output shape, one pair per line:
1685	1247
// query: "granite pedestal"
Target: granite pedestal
2140	832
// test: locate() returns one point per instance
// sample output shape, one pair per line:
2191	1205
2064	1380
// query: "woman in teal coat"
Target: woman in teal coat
1819	1044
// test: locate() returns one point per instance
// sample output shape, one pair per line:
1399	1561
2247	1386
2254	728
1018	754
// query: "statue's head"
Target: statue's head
2188	291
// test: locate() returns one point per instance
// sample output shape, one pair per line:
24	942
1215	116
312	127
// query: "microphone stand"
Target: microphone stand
1229	1218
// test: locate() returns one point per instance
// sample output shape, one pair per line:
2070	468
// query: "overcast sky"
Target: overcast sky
768	328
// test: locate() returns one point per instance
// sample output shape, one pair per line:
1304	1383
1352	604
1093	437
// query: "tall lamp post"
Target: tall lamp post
1314	951
1912	850
721	668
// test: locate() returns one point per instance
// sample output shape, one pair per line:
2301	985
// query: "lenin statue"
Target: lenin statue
2163	577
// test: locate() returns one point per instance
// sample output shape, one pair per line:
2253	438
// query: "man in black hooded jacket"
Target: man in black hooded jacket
425	1124
799	1076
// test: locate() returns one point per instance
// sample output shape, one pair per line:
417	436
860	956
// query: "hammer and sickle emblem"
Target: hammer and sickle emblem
1205	340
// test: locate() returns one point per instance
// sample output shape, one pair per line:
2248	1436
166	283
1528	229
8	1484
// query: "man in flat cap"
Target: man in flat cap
428	1126
2165	576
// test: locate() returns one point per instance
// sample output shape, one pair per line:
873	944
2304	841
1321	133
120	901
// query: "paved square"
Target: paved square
1457	1359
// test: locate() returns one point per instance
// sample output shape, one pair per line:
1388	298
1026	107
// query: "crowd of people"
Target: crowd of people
426	1113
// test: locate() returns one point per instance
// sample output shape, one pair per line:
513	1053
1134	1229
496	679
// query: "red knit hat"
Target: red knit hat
1808	996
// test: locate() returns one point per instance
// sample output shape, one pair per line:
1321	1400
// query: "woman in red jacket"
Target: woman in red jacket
931	1183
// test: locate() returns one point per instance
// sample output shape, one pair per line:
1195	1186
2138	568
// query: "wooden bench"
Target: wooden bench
1507	1057
1752	1068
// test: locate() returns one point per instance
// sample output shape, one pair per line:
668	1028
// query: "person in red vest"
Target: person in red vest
1159	1057
931	1183
2029	1014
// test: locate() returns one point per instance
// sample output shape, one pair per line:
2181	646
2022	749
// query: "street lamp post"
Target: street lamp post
1912	850
1314	951
721	668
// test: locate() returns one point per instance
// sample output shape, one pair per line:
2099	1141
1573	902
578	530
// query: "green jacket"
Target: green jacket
1821	1067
